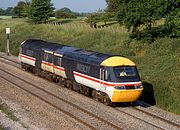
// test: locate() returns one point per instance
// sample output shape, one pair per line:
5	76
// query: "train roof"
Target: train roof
40	44
87	56
78	54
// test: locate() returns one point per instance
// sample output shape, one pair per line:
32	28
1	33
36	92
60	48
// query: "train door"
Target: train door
102	78
69	68
47	63
38	60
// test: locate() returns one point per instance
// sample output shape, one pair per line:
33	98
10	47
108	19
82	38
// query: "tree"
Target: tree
40	11
1	11
93	19
173	21
22	8
139	15
61	14
65	13
7	12
65	9
113	5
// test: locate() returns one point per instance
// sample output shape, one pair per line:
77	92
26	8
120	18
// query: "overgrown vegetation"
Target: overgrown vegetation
158	62
138	17
1	127
65	13
5	109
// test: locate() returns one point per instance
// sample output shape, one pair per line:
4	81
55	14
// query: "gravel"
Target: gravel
33	113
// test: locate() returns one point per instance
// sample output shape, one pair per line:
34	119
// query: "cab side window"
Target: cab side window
107	76
101	75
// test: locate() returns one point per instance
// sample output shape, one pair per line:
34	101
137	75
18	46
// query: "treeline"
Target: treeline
7	12
141	17
20	10
25	8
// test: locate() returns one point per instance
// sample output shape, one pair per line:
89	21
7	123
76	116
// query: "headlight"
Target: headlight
128	87
120	87
138	87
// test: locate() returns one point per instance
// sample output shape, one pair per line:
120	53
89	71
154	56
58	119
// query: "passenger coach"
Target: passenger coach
107	78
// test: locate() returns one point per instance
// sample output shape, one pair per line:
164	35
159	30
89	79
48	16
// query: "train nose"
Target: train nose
126	95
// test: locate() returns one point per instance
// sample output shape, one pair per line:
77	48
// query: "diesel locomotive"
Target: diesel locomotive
107	78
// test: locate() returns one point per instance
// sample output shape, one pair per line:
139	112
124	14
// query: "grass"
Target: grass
1	127
158	62
6	110
5	17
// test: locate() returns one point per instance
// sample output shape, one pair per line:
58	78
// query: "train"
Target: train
107	78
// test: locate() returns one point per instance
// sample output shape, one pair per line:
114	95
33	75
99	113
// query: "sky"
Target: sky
74	5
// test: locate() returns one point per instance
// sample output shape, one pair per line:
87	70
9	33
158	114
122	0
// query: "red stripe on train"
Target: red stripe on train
27	57
82	75
59	68
102	82
46	63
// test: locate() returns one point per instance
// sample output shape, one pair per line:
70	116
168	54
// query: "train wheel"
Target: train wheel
23	66
69	84
76	87
94	95
87	92
107	101
35	71
56	80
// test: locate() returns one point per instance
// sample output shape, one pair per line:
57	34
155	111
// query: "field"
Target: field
158	62
5	17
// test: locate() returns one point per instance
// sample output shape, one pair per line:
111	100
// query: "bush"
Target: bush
61	14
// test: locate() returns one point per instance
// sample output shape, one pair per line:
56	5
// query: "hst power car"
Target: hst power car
105	77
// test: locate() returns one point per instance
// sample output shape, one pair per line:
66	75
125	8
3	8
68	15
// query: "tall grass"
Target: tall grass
6	110
158	62
1	127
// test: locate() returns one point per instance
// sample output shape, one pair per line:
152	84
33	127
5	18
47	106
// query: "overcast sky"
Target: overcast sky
74	5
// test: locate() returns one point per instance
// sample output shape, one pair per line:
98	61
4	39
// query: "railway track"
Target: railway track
149	118
102	121
141	104
83	116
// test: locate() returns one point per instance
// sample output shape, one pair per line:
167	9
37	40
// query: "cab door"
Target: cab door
102	78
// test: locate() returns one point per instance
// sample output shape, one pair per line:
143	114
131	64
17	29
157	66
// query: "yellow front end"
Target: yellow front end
126	95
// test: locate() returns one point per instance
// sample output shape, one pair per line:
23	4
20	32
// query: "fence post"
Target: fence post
8	41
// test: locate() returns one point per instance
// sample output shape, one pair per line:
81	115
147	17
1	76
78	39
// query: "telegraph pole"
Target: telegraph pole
8	40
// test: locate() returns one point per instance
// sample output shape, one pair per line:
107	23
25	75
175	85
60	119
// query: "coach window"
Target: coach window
59	60
46	56
29	52
50	58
